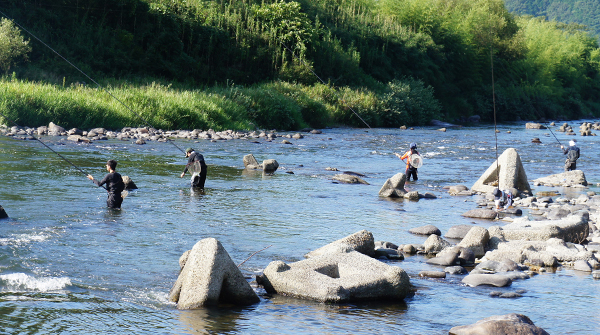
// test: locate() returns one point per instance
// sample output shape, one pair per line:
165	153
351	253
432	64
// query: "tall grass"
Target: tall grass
275	105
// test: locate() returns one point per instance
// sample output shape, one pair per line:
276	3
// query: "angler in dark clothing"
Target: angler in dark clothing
114	185
572	153
197	166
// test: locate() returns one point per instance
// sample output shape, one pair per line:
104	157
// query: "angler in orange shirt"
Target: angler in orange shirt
410	170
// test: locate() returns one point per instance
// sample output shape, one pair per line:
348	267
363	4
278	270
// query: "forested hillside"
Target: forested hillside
395	62
585	12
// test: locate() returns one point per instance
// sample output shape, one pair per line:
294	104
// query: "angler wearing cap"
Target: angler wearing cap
114	185
197	166
572	153
410	169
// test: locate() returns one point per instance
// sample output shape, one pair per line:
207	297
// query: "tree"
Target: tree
13	46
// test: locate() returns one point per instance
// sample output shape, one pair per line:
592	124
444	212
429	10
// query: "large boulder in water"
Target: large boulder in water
129	184
481	213
500	324
505	173
208	277
270	165
565	179
3	214
337	278
573	229
394	187
361	241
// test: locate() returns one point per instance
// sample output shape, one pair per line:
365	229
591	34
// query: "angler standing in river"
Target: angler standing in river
572	153
410	169
197	166
114	185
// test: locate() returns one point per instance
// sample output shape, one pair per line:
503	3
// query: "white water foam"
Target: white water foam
21	282
21	239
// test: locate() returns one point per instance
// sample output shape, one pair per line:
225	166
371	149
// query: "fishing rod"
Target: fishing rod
87	76
44	144
323	81
553	134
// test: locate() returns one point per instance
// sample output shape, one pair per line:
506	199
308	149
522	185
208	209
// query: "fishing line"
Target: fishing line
494	104
90	78
44	144
324	83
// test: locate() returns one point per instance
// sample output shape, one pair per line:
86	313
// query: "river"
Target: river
70	265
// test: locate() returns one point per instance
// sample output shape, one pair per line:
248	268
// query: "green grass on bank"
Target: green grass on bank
273	105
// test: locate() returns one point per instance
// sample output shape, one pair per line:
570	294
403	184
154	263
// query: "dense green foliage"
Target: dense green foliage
585	12
13	46
393	62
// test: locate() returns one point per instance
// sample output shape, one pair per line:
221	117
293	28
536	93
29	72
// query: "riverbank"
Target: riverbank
275	105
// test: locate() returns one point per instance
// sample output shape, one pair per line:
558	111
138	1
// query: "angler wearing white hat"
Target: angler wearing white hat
572	153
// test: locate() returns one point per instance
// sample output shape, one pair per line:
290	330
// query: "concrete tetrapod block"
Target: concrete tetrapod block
338	278
573	228
251	163
394	187
208	277
361	241
509	169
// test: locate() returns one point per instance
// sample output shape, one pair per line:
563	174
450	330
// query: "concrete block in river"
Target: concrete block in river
361	241
3	214
510	172
337	278
208	277
501	324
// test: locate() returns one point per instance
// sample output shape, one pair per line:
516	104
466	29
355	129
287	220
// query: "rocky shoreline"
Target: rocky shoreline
143	134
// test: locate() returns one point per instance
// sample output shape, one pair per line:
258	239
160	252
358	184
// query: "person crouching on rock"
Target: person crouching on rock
114	185
502	198
572	153
410	170
197	166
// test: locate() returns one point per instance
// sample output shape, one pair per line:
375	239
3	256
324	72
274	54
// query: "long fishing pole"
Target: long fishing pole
553	134
44	144
323	81
90	78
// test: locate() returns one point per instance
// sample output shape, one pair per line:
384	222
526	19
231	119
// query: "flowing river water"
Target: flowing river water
70	265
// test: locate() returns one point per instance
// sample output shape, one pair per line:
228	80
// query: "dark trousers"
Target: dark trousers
411	171
114	200
569	166
199	180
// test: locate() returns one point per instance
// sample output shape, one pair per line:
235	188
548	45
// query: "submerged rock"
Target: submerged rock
349	179
500	324
208	277
337	278
487	279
